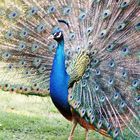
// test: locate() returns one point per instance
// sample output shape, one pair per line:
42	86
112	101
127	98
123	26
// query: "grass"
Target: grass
34	118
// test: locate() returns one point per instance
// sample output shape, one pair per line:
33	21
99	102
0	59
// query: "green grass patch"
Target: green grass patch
36	118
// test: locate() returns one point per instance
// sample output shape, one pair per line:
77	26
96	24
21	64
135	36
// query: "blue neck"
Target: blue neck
59	59
59	81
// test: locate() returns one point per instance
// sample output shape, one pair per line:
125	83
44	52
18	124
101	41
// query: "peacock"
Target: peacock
84	53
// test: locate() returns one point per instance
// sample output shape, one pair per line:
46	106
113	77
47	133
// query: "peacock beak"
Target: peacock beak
51	37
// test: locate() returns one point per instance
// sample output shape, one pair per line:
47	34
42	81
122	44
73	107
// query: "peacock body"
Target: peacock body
90	64
59	82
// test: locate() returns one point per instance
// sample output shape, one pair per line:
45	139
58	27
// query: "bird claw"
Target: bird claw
70	138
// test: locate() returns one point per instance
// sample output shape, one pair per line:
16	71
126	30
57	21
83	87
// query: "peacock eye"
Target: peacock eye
57	35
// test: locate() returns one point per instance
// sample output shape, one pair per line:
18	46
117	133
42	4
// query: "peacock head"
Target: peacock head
57	34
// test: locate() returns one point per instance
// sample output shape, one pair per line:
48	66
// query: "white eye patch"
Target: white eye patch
58	35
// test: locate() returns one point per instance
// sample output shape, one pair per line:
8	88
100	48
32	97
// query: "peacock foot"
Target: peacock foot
70	137
86	134
72	130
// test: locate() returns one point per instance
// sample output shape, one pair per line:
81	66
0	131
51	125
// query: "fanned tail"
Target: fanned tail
108	95
26	54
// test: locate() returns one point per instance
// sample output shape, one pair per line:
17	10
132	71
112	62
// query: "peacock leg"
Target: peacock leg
72	130
86	134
